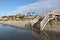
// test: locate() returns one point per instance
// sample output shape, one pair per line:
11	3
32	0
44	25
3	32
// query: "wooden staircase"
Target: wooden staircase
43	23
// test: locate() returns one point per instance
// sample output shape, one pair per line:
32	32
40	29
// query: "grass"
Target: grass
25	19
21	19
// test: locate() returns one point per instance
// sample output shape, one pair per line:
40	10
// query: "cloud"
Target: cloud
40	6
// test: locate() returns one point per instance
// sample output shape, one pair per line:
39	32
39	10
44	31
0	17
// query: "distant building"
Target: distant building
32	15
4	18
11	17
18	16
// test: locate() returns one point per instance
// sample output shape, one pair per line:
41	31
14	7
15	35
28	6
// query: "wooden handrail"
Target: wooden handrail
47	18
45	21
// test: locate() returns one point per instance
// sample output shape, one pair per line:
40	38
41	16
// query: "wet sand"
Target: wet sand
51	35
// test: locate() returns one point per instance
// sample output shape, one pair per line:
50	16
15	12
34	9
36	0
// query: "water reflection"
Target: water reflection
12	33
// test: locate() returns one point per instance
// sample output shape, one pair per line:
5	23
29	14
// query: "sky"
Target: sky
10	7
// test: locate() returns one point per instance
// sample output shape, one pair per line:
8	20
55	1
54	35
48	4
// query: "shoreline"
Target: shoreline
18	24
50	34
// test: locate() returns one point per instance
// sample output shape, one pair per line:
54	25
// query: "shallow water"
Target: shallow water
12	33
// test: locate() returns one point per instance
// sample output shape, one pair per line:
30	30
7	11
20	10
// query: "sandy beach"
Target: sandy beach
21	24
